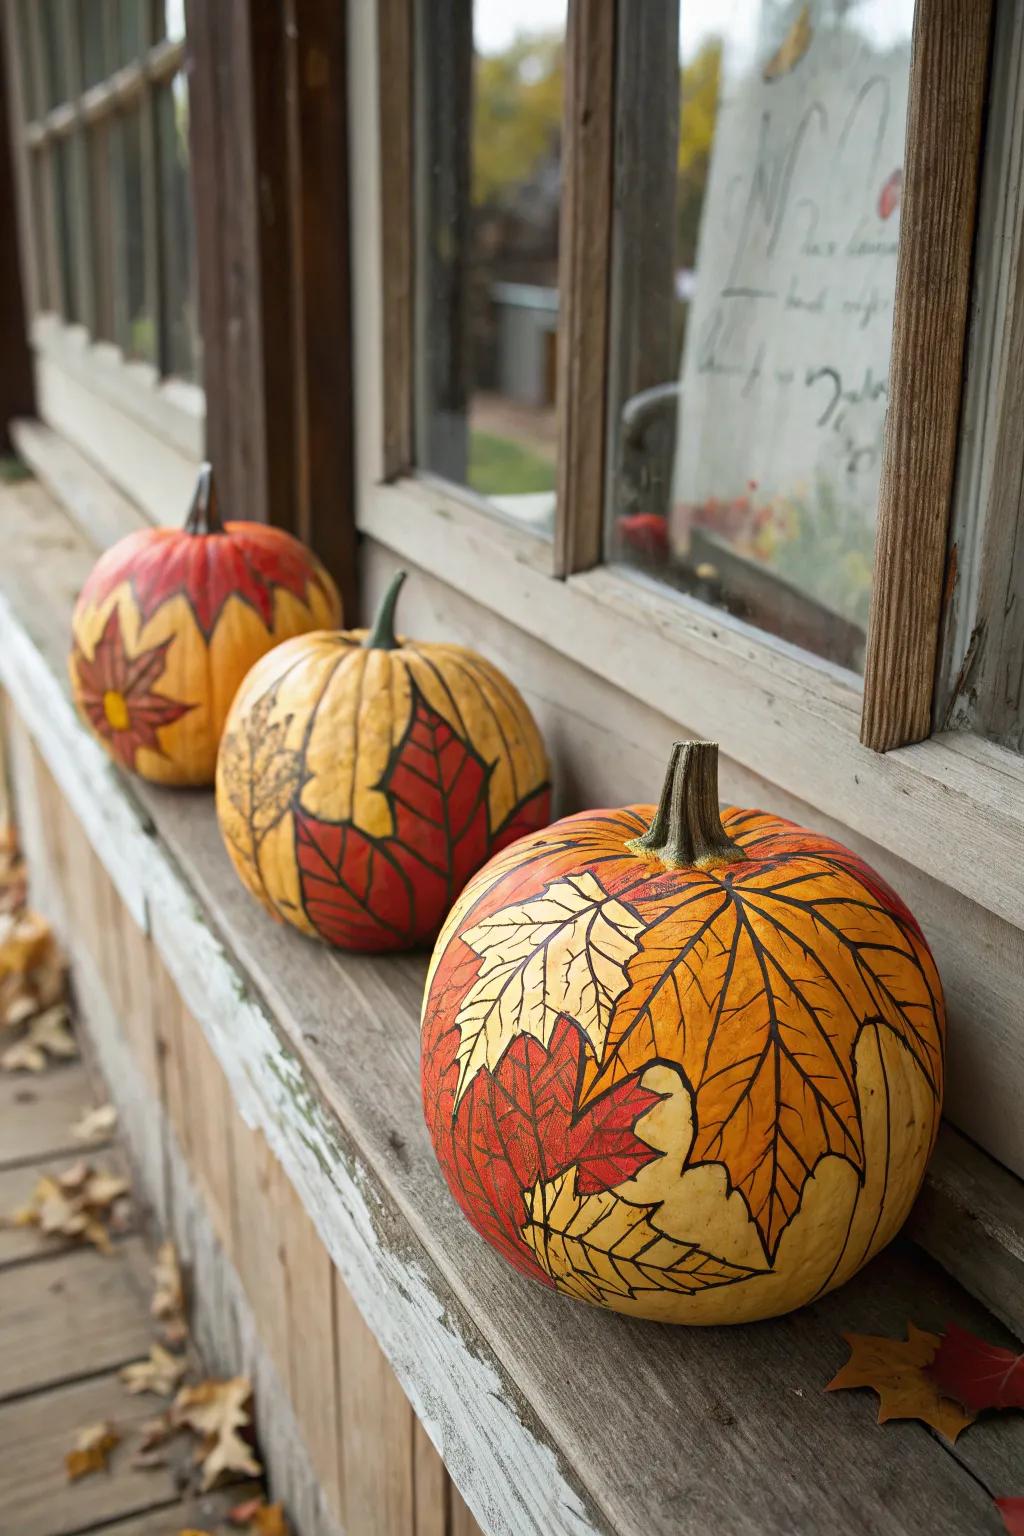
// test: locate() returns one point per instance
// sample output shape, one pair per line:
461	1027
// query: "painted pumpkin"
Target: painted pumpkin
363	778
170	621
690	1070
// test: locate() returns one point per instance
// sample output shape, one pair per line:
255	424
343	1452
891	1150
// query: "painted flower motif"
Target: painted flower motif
117	693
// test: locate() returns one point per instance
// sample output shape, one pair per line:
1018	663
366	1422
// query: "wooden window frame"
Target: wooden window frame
814	729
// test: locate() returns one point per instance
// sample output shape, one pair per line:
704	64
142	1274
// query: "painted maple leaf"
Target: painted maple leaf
260	774
520	1125
247	560
116	692
603	1249
374	893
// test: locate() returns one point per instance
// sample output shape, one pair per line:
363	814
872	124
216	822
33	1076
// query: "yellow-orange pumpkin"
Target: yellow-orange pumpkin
693	1072
170	621
363	778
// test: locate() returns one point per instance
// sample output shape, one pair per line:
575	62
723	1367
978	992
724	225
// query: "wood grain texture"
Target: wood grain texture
394	40
378	1444
17	393
34	1124
948	77
584	281
100	511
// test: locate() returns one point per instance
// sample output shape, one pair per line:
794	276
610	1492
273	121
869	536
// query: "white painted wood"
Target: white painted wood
171	409
101	513
155	474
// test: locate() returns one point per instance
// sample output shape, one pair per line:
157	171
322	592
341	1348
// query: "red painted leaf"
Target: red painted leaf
247	560
118	695
362	892
1012	1511
978	1374
520	1124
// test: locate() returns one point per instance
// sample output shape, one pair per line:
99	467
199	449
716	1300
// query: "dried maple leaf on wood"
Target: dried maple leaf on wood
13	878
168	1303
96	1124
602	1248
78	1204
217	1412
977	1374
159	1373
31	966
897	1370
46	1036
92	1448
1012	1511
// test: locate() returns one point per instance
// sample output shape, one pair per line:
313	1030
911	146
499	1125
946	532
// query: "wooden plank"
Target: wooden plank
948	76
101	513
201	1512
377	1423
37	1113
432	1489
73	1315
37	1432
394	33
312	1364
257	1240
17	394
584	281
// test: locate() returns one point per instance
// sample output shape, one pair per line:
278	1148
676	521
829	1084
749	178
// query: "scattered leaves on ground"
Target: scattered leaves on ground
47	1035
31	966
91	1451
13	877
217	1412
96	1124
1012	1511
977	1374
81	1203
168	1304
159	1373
897	1370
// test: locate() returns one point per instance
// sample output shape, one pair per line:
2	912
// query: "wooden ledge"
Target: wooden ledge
554	1419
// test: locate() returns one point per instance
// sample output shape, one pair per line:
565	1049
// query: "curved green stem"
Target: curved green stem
687	831
204	513
382	636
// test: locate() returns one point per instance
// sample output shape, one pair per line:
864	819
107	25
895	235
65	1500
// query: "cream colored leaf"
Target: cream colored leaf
77	1204
565	952
47	1035
91	1451
159	1373
216	1411
96	1123
168	1303
602	1249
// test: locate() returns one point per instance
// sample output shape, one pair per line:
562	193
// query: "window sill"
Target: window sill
553	1418
944	805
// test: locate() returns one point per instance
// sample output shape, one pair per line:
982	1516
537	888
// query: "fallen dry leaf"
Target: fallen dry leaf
168	1304
47	1035
1012	1511
78	1204
977	1374
31	966
92	1448
896	1370
260	1518
13	878
96	1124
216	1411
159	1373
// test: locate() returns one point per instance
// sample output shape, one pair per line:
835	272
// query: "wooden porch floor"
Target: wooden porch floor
70	1317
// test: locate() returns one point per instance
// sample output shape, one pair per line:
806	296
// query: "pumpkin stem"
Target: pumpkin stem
687	829
204	513
382	636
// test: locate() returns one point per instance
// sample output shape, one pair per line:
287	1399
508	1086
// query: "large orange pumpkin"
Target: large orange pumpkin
690	1071
363	779
170	621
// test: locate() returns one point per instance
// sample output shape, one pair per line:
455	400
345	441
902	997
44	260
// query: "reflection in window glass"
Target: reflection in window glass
490	92
177	289
754	310
136	324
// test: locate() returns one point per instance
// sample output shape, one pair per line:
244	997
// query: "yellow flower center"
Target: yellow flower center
116	710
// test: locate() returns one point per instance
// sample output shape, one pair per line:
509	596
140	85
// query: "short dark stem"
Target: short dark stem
204	513
382	636
687	829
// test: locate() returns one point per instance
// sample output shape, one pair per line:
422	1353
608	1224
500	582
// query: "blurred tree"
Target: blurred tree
699	86
517	117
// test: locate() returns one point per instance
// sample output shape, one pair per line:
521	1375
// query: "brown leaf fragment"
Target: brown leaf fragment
168	1303
31	966
216	1411
46	1036
159	1373
96	1124
91	1451
897	1370
77	1204
260	1518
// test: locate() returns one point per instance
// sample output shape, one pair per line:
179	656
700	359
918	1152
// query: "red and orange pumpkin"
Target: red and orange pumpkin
170	621
364	778
683	1065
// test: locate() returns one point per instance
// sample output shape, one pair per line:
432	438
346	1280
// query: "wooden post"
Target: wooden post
17	392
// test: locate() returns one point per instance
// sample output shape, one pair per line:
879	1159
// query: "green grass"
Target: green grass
500	467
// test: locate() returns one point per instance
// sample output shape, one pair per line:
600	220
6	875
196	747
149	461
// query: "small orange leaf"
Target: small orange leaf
897	1370
92	1449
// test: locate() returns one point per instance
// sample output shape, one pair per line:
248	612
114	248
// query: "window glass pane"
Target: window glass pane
755	266
489	87
136	326
178	286
171	19
96	54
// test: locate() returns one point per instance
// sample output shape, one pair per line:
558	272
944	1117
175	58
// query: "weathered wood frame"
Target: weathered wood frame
947	95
